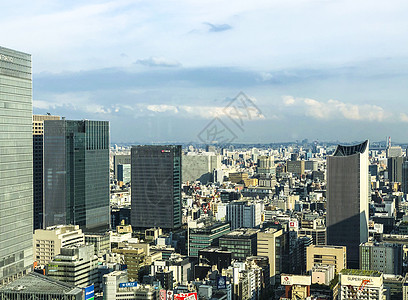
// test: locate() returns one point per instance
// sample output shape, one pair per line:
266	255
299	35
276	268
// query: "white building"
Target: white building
359	284
244	214
77	265
48	242
117	287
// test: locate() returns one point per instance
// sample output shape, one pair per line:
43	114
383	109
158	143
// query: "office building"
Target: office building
347	199
395	168
77	265
48	242
326	255
244	214
38	170
383	257
120	159
404	185
297	167
265	165
203	235
296	286
270	243
200	166
16	164
242	243
76	173
156	186
117	286
124	173
360	284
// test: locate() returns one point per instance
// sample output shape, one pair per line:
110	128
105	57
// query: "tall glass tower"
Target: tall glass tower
347	199
16	164
76	173
156	186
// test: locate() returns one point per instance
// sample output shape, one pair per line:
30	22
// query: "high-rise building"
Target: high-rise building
347	199
16	164
395	168
156	186
244	214
38	170
120	159
76	173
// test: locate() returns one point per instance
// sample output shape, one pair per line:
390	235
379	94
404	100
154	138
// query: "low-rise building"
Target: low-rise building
77	265
48	242
360	284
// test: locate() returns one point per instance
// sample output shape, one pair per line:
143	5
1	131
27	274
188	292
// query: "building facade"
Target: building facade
326	255
38	169
383	257
156	186
77	265
76	173
48	242
347	199
16	164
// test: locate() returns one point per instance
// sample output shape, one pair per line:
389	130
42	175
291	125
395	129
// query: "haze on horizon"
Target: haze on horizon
163	70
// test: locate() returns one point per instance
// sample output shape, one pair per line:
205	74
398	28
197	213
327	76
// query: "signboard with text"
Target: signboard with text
127	284
186	296
89	292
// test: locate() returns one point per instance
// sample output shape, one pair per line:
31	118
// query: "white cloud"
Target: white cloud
335	109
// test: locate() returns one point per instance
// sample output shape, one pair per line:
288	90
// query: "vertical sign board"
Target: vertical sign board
221	282
163	295
89	292
169	295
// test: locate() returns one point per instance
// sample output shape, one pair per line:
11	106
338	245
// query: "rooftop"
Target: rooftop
34	283
357	272
351	150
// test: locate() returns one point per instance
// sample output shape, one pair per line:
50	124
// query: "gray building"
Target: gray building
36	286
76	173
200	166
265	165
124	173
156	186
383	257
16	164
395	168
120	159
347	199
38	167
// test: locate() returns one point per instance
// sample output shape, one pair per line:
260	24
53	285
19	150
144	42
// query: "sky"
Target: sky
219	71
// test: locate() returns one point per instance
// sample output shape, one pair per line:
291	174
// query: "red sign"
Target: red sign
185	296
163	295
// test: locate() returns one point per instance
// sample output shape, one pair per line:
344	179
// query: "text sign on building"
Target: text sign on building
89	292
127	284
295	279
185	296
163	295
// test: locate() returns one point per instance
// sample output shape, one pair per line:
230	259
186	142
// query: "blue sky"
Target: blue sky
161	71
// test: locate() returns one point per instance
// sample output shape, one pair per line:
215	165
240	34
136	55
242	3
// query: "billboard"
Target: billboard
89	292
127	284
169	295
186	296
221	282
295	279
162	294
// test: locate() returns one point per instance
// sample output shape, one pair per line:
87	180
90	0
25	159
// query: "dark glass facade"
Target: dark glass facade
16	166
38	180
76	173
156	186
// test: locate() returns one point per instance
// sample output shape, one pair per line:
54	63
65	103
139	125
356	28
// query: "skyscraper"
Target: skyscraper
76	173
347	199
16	166
38	170
156	186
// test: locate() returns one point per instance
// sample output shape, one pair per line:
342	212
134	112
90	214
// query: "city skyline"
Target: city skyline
311	67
